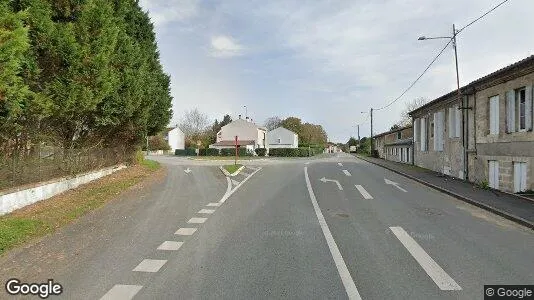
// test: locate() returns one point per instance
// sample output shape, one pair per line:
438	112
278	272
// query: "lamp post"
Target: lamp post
246	111
459	93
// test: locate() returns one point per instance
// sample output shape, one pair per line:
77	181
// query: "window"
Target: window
424	135
519	110
494	115
521	107
520	177
438	130
279	140
493	170
399	135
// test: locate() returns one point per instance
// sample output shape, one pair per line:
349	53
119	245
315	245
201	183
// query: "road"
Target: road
329	228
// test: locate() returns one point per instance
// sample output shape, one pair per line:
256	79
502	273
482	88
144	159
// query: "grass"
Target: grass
47	216
222	157
232	168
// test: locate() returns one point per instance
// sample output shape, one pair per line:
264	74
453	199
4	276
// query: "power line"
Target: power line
439	54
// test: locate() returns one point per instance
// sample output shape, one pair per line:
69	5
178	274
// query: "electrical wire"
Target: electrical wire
439	54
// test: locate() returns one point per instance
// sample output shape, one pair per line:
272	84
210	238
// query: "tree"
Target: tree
410	106
225	121
293	124
394	127
352	142
193	124
272	123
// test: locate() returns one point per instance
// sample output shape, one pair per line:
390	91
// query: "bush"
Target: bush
227	151
185	152
261	151
208	152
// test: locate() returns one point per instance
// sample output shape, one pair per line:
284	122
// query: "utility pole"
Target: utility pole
358	136
462	105
372	132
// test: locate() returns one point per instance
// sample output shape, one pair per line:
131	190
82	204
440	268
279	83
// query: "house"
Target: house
484	136
395	145
282	138
175	137
248	134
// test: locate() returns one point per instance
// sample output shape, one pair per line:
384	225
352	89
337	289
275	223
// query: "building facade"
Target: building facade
485	135
249	135
175	138
282	138
395	145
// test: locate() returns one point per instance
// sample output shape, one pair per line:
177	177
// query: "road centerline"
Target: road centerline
436	273
346	278
122	292
347	173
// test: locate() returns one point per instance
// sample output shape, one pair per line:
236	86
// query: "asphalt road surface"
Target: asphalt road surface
329	228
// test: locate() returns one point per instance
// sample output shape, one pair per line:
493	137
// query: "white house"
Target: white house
282	138
248	134
175	137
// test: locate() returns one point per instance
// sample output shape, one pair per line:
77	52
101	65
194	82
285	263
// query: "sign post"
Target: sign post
235	163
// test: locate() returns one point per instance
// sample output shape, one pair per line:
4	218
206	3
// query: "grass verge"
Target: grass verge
49	215
223	157
232	168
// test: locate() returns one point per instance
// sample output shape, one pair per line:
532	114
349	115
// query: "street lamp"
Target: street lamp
246	111
454	45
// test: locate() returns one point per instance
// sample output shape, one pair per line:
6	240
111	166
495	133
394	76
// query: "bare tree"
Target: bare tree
410	106
193	123
272	123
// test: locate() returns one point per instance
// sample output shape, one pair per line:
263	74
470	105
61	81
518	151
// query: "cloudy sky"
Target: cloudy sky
327	61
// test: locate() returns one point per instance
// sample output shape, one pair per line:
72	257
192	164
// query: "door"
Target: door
493	174
520	177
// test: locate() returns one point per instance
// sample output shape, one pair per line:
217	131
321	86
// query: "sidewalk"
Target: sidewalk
509	206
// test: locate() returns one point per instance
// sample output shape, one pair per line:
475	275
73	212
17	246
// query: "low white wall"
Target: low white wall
12	201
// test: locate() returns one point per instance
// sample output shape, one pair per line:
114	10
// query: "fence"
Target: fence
52	162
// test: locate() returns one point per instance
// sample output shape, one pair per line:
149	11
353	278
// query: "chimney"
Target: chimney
248	119
239	116
251	121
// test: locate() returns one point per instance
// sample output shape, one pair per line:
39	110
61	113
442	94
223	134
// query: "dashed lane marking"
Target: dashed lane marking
347	173
364	193
206	211
197	220
122	292
170	246
214	204
150	265
185	231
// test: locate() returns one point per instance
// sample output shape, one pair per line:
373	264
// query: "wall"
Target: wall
288	139
244	130
176	139
12	201
503	147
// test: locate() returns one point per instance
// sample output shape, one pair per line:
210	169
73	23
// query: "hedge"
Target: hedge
185	152
208	152
261	151
231	152
294	152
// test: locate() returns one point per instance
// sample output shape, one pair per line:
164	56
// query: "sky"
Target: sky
328	61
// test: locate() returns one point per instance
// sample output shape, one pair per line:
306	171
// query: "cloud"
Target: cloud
224	46
162	12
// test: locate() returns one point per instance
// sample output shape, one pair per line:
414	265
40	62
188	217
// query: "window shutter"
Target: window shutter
510	111
458	120
452	123
423	134
441	132
435	131
528	108
416	130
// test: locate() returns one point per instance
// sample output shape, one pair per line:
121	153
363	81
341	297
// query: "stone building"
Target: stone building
395	145
489	127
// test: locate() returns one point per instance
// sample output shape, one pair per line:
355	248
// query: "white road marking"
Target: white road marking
340	164
150	265
229	185
170	245
235	182
342	269
196	220
364	193
244	174
438	275
331	180
187	170
227	195
387	181
122	292
185	231
346	173
213	204
206	211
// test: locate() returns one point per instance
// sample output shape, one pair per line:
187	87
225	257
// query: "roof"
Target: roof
232	143
242	122
282	129
392	131
526	62
400	142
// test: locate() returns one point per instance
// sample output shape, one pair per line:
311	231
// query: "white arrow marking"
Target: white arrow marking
187	170
331	180
394	184
340	164
346	173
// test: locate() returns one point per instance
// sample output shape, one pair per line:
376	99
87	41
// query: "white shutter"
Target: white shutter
441	130
416	130
493	174
528	107
435	131
510	111
458	120
438	130
452	123
423	134
494	115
